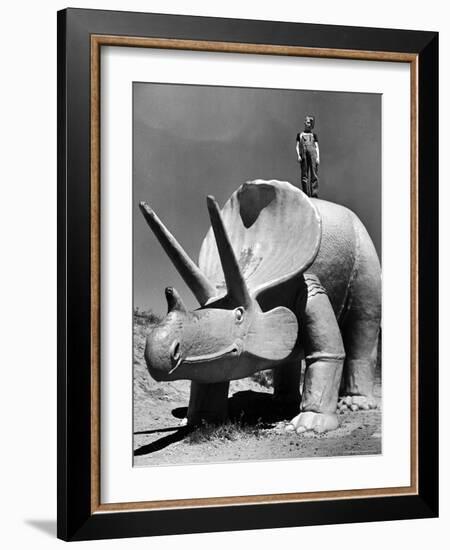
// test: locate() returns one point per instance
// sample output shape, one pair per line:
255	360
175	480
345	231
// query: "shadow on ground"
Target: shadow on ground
164	442
248	408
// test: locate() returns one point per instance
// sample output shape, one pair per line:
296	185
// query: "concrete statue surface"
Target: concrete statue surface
280	277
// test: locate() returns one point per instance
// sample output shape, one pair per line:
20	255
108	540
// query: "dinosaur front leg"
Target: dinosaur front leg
208	403
286	385
324	355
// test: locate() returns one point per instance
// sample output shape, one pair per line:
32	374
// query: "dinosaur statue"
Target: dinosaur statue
280	277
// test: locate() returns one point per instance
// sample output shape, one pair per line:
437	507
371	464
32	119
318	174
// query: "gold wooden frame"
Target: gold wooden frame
97	41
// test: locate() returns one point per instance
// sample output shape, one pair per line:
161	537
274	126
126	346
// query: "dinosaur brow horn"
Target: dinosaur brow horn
236	286
202	289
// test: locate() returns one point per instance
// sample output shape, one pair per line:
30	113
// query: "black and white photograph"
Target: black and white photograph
256	274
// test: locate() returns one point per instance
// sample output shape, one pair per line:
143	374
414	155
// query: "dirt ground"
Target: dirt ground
253	432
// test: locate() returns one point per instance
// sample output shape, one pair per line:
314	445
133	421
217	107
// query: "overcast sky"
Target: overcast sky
191	141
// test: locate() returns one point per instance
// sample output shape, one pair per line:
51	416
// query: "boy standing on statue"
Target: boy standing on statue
307	148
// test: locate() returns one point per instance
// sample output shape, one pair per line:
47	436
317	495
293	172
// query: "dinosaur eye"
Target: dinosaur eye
175	351
239	314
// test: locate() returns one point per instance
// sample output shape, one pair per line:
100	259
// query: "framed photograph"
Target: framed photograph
247	253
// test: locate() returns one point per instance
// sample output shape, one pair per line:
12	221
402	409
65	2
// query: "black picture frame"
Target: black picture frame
77	517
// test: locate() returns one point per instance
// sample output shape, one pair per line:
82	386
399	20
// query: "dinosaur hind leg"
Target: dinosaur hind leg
361	345
361	327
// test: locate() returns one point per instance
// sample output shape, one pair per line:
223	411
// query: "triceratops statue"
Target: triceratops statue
280	277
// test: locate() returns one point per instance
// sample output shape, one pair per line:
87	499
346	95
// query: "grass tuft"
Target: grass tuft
264	378
232	430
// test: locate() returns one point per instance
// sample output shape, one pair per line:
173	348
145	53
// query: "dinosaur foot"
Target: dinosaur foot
313	421
355	403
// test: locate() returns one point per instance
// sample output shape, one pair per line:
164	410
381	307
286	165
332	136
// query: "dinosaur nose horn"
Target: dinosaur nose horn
174	302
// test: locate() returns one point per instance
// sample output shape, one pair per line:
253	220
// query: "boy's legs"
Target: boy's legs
304	171
314	169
